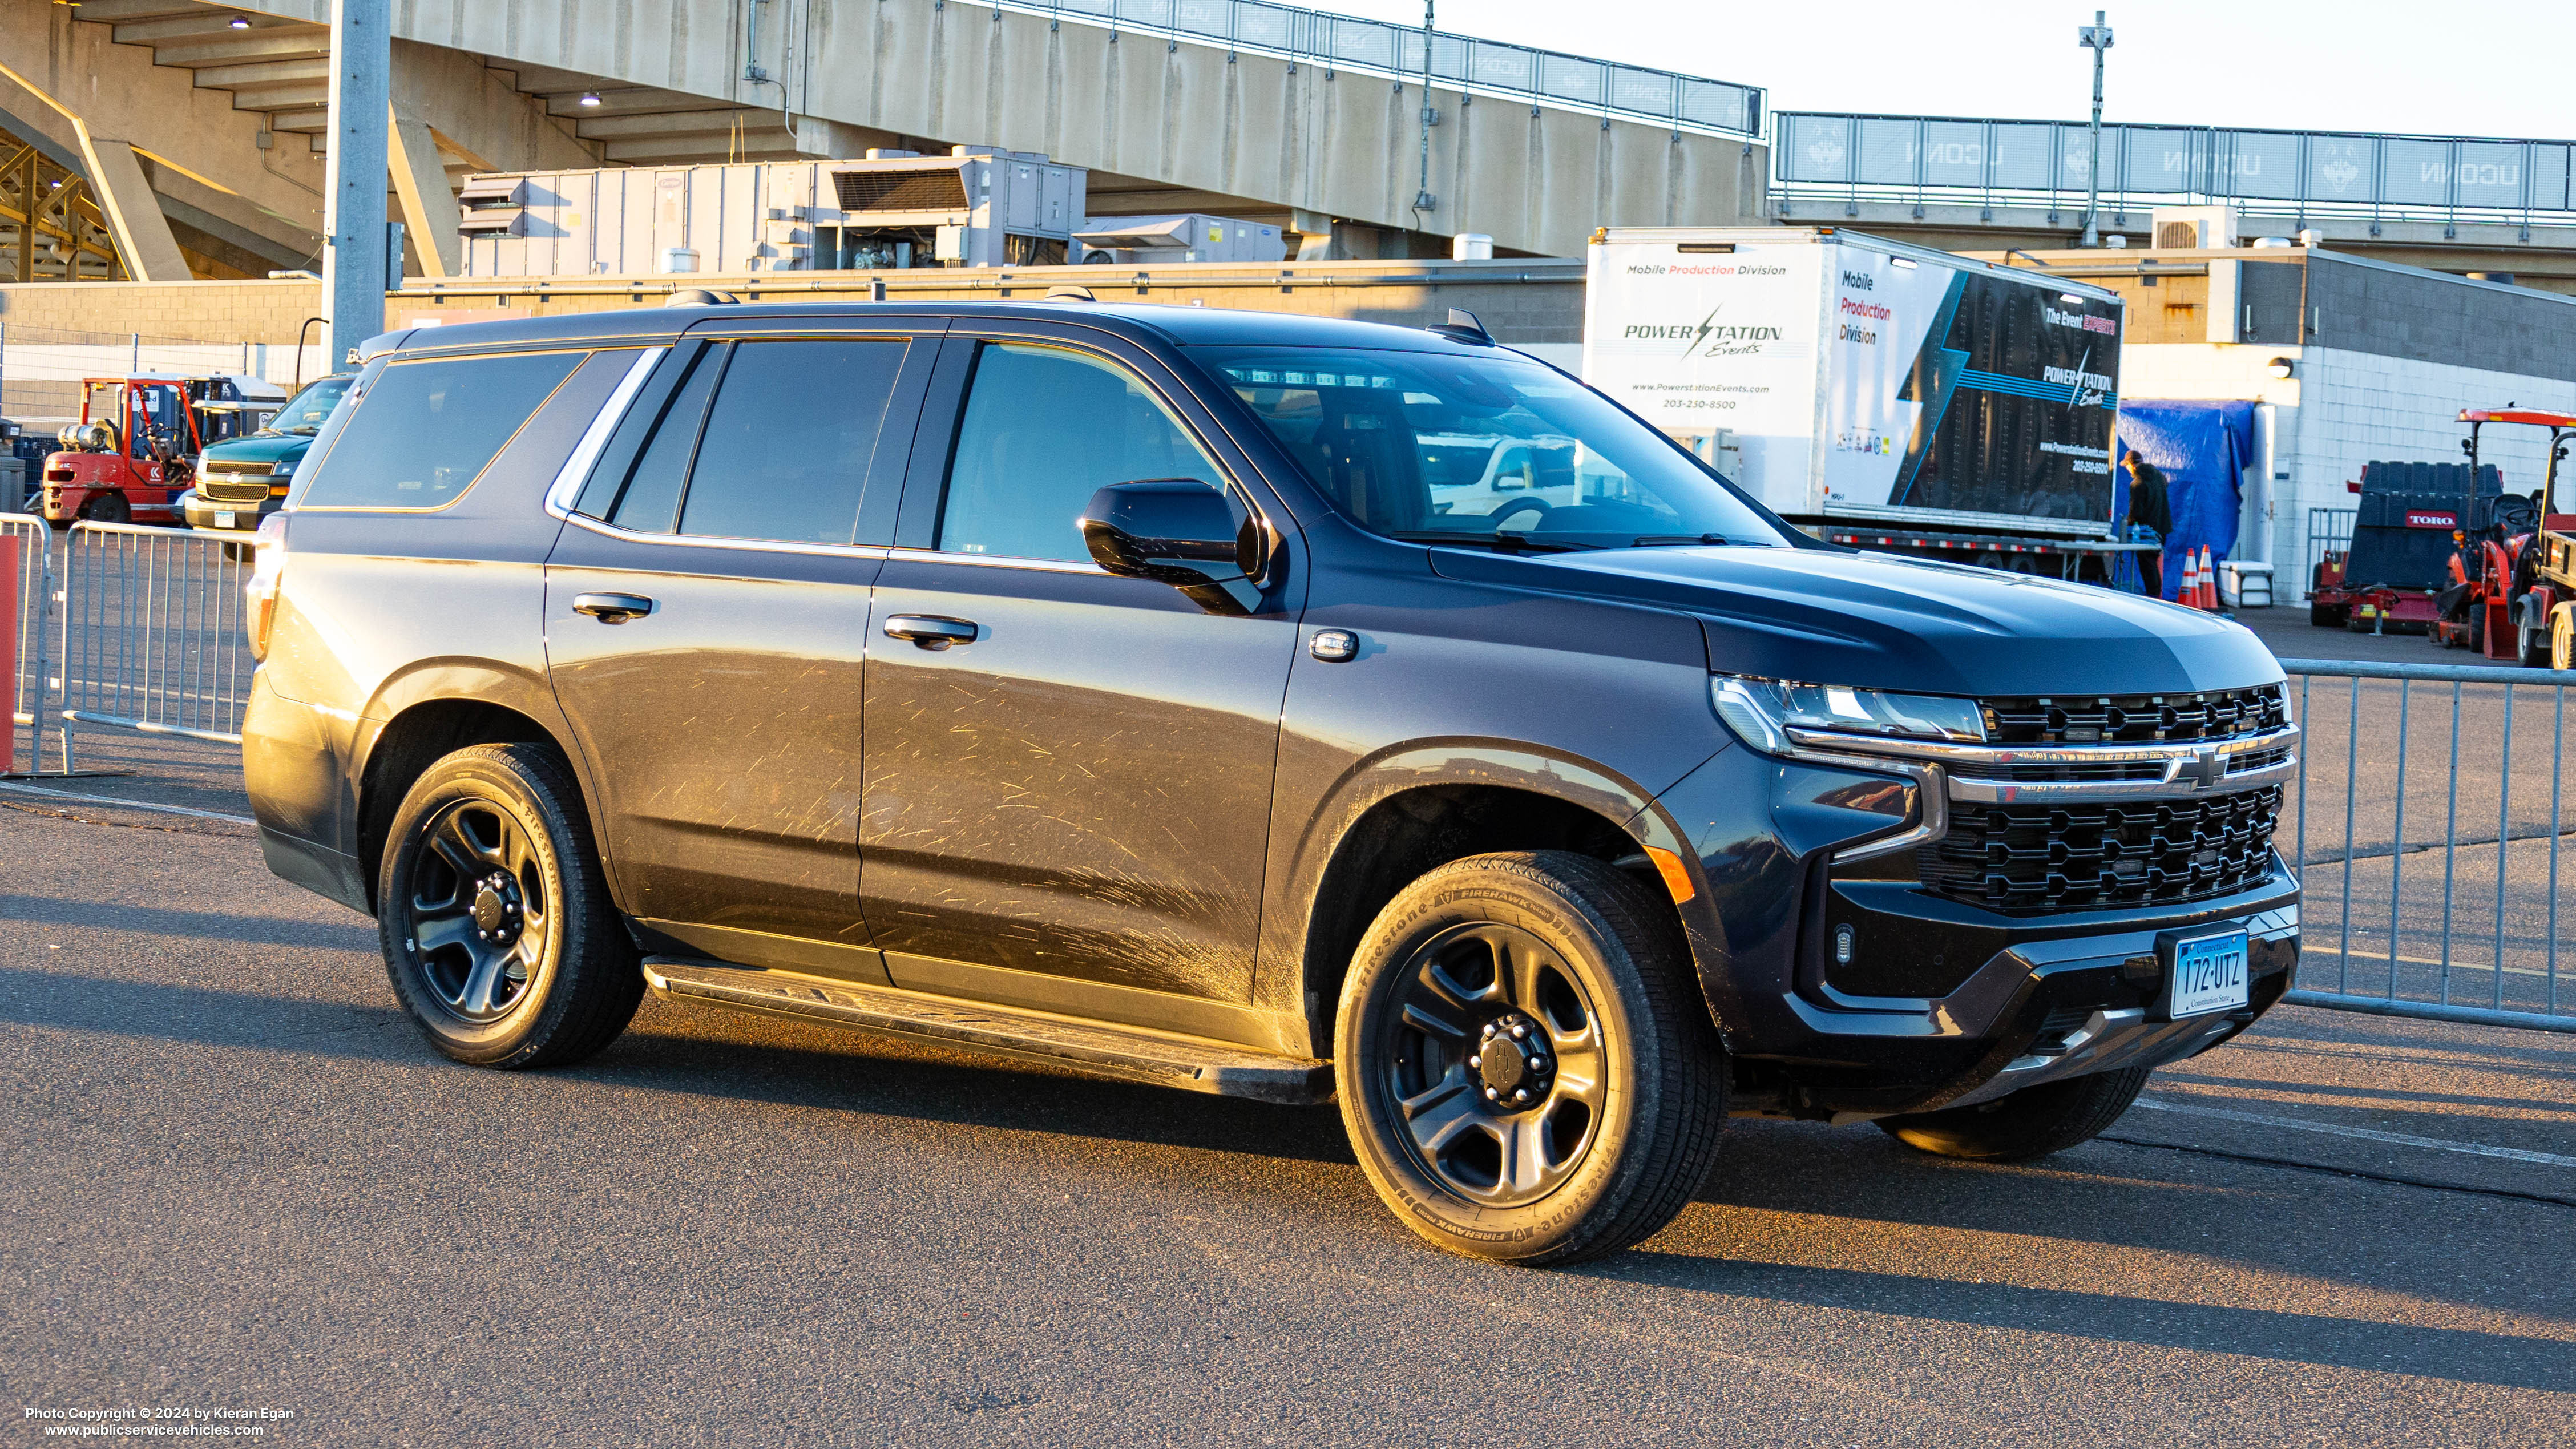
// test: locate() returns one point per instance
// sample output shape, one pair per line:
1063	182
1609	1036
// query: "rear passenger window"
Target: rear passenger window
1045	429
786	446
650	499
426	430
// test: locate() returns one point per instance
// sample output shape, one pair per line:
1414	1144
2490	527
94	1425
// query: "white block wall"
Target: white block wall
2337	411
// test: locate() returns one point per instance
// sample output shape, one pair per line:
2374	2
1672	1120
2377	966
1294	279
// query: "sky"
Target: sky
2457	67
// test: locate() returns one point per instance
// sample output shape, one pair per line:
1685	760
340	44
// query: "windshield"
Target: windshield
305	412
1494	450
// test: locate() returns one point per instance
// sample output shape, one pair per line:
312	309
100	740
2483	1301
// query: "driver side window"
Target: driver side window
1044	429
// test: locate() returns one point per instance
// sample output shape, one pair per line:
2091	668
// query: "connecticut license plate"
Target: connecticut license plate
223	518
2208	975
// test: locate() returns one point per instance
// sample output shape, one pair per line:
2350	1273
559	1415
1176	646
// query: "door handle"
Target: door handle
612	608
931	631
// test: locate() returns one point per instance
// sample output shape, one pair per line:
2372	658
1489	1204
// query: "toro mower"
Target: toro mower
2513	576
2390	577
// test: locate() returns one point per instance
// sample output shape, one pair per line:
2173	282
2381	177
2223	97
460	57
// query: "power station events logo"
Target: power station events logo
1706	338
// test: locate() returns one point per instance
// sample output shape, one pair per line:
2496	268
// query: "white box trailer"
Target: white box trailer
1875	393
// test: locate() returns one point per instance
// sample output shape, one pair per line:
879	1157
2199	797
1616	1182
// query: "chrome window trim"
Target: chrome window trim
576	469
998	560
692	540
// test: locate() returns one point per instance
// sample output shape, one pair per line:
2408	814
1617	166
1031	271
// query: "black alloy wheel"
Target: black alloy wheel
476	916
494	914
1495	1063
1524	1060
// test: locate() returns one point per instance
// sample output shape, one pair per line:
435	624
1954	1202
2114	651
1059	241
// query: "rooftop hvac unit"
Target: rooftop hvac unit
2195	228
973	207
1192	237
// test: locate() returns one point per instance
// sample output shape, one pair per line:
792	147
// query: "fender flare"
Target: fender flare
1372	780
475	681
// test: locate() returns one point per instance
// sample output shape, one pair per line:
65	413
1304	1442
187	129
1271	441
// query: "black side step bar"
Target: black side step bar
1131	1054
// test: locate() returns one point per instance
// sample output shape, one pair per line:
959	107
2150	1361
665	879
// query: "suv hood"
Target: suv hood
256	449
1828	617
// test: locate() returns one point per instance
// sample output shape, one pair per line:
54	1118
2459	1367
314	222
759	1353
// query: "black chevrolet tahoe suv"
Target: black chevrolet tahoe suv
1289	708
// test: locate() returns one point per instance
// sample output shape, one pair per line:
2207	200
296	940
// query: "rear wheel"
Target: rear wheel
2327	616
1525	1064
111	508
494	914
2562	637
2032	1122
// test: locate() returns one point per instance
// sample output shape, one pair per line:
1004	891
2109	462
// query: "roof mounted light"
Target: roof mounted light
588	98
239	22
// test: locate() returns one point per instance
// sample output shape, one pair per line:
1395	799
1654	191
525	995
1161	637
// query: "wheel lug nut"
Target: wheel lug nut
1519	1030
1520	1096
1476	1061
1492	1096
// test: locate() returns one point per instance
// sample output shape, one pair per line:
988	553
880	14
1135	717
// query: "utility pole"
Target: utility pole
2096	38
353	254
1422	198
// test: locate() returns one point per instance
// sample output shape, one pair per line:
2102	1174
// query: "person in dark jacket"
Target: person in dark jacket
2148	508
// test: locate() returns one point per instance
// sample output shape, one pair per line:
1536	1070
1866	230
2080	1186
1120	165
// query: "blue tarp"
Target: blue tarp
2203	449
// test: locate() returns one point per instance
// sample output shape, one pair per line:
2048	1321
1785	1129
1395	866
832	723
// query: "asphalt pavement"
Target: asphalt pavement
237	1178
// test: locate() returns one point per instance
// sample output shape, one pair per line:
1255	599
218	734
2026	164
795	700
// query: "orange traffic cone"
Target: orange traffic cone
2189	594
2208	581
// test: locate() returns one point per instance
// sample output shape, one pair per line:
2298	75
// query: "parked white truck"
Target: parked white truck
1877	394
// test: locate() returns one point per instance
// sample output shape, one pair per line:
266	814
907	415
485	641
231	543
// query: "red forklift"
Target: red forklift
2513	573
134	450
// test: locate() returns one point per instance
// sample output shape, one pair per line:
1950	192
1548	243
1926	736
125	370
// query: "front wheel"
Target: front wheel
2032	1122
2531	642
1524	1061
494	913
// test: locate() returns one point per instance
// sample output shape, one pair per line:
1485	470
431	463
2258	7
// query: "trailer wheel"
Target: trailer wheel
2327	616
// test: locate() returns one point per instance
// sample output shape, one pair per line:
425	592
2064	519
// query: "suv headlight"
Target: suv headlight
1762	711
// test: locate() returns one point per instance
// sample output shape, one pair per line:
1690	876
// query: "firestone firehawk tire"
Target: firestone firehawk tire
1524	1061
2032	1122
494	913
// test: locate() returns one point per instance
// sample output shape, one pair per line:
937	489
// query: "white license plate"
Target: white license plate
223	518
2208	975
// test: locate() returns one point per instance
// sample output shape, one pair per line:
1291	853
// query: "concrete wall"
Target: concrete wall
1190	115
272	201
245	311
1521	302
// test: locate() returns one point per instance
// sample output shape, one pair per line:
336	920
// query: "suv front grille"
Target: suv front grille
2135	718
2034	858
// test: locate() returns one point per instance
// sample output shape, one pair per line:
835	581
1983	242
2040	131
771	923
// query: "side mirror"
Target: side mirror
1181	532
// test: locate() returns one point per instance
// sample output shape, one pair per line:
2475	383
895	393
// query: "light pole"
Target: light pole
2096	38
353	258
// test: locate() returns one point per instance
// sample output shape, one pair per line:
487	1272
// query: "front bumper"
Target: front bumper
203	512
1949	1002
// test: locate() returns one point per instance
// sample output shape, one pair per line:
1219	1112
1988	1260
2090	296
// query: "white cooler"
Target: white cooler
2244	585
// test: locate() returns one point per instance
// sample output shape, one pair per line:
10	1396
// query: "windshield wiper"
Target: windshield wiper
1663	540
1502	539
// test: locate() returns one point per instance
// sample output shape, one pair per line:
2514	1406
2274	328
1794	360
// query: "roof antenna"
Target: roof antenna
1462	326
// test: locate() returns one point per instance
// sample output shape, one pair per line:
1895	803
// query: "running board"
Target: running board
1130	1054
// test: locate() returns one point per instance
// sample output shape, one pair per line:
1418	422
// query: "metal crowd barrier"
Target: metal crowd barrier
2377	938
33	542
152	634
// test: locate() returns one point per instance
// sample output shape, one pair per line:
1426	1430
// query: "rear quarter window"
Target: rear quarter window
424	431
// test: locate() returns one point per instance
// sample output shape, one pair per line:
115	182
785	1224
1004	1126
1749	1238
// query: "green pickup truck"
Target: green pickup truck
245	480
